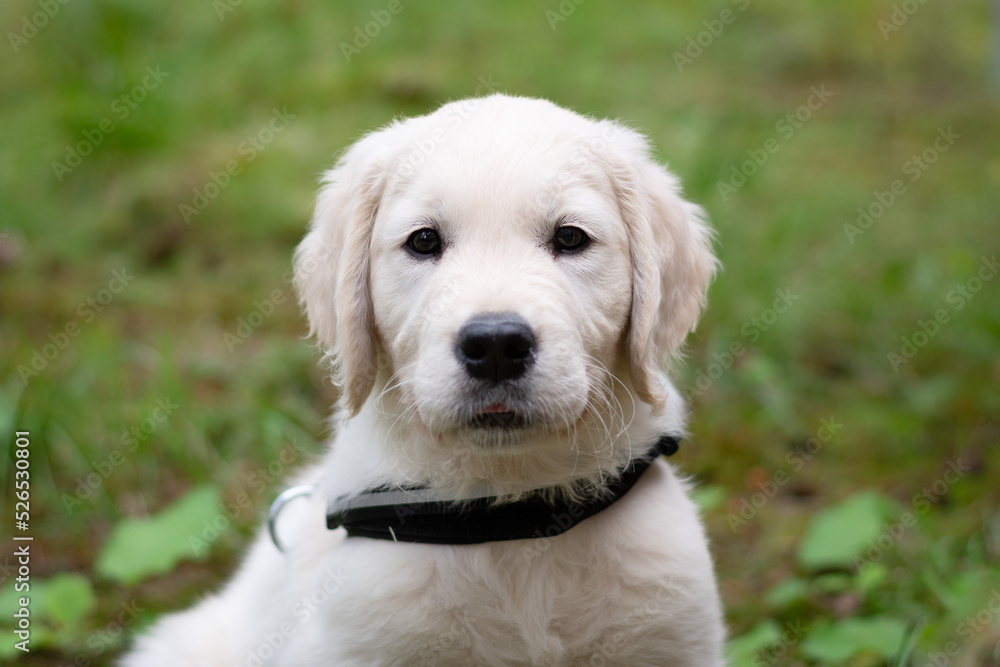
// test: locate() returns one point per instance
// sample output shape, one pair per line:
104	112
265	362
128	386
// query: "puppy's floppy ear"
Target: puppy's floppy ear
672	260
331	269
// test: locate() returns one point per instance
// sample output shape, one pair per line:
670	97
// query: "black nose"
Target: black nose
495	347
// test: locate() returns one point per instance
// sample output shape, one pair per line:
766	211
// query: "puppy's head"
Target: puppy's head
504	276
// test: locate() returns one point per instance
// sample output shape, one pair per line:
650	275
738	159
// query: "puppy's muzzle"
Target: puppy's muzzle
495	347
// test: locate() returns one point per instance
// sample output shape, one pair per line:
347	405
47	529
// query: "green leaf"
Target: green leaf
847	530
743	649
833	583
872	577
140	548
967	592
709	497
9	652
65	599
59	608
8	601
787	593
837	642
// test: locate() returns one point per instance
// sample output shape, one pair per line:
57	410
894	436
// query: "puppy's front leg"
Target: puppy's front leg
198	637
248	622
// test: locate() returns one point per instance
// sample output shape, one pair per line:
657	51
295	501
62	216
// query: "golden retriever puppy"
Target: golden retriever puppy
499	284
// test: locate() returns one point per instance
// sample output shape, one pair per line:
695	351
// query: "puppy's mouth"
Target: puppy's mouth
498	416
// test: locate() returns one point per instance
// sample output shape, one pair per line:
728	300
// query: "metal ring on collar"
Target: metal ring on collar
283	498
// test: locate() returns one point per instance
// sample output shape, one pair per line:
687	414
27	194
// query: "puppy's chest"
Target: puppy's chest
526	603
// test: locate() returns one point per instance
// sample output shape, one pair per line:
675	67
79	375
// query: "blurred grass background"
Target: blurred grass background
201	81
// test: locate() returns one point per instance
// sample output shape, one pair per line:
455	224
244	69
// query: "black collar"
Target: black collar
414	514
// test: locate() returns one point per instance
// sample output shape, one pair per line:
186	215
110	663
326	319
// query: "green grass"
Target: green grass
161	338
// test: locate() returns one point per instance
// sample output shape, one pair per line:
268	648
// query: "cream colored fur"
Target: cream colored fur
632	585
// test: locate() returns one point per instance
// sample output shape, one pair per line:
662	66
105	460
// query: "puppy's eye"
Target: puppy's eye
425	242
569	238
